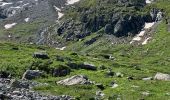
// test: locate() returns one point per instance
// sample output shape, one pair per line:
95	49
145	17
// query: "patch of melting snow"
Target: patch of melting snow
149	25
8	26
61	48
4	3
142	33
139	36
70	2
146	41
57	9
60	15
26	19
17	7
149	1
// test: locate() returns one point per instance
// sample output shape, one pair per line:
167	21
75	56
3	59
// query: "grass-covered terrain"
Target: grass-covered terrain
139	62
132	61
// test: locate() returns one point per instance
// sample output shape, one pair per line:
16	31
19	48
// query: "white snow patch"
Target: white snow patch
146	41
142	33
4	4
149	25
57	9
61	48
25	4
60	15
8	26
149	1
17	7
26	19
70	2
20	1
137	38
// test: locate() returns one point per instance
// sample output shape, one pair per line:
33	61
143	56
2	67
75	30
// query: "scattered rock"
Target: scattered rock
162	76
15	48
20	90
130	78
85	65
100	86
148	78
88	66
75	80
4	74
61	71
135	86
32	74
119	74
113	84
102	67
110	73
19	84
168	94
99	95
42	55
145	93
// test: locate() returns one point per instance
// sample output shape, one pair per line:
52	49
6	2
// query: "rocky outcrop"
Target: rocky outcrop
112	21
75	80
162	76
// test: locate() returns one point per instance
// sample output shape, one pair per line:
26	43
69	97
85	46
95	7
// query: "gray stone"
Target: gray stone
145	93
19	84
63	71
75	80
162	76
100	86
32	74
42	55
119	74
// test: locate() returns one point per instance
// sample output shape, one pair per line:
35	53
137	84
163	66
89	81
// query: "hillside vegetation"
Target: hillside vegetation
138	62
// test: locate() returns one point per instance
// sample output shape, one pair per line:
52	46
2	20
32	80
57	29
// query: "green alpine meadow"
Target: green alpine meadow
84	49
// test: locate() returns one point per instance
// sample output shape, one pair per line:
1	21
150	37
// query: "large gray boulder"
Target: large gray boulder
32	74
162	76
75	80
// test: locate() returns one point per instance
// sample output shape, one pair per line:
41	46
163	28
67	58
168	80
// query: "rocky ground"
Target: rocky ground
11	89
84	49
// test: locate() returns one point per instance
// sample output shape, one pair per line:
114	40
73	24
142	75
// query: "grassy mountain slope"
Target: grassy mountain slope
139	62
136	61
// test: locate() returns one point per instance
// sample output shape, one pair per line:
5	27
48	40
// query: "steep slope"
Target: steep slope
116	71
24	20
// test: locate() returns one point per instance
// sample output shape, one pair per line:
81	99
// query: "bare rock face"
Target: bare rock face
162	76
75	80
